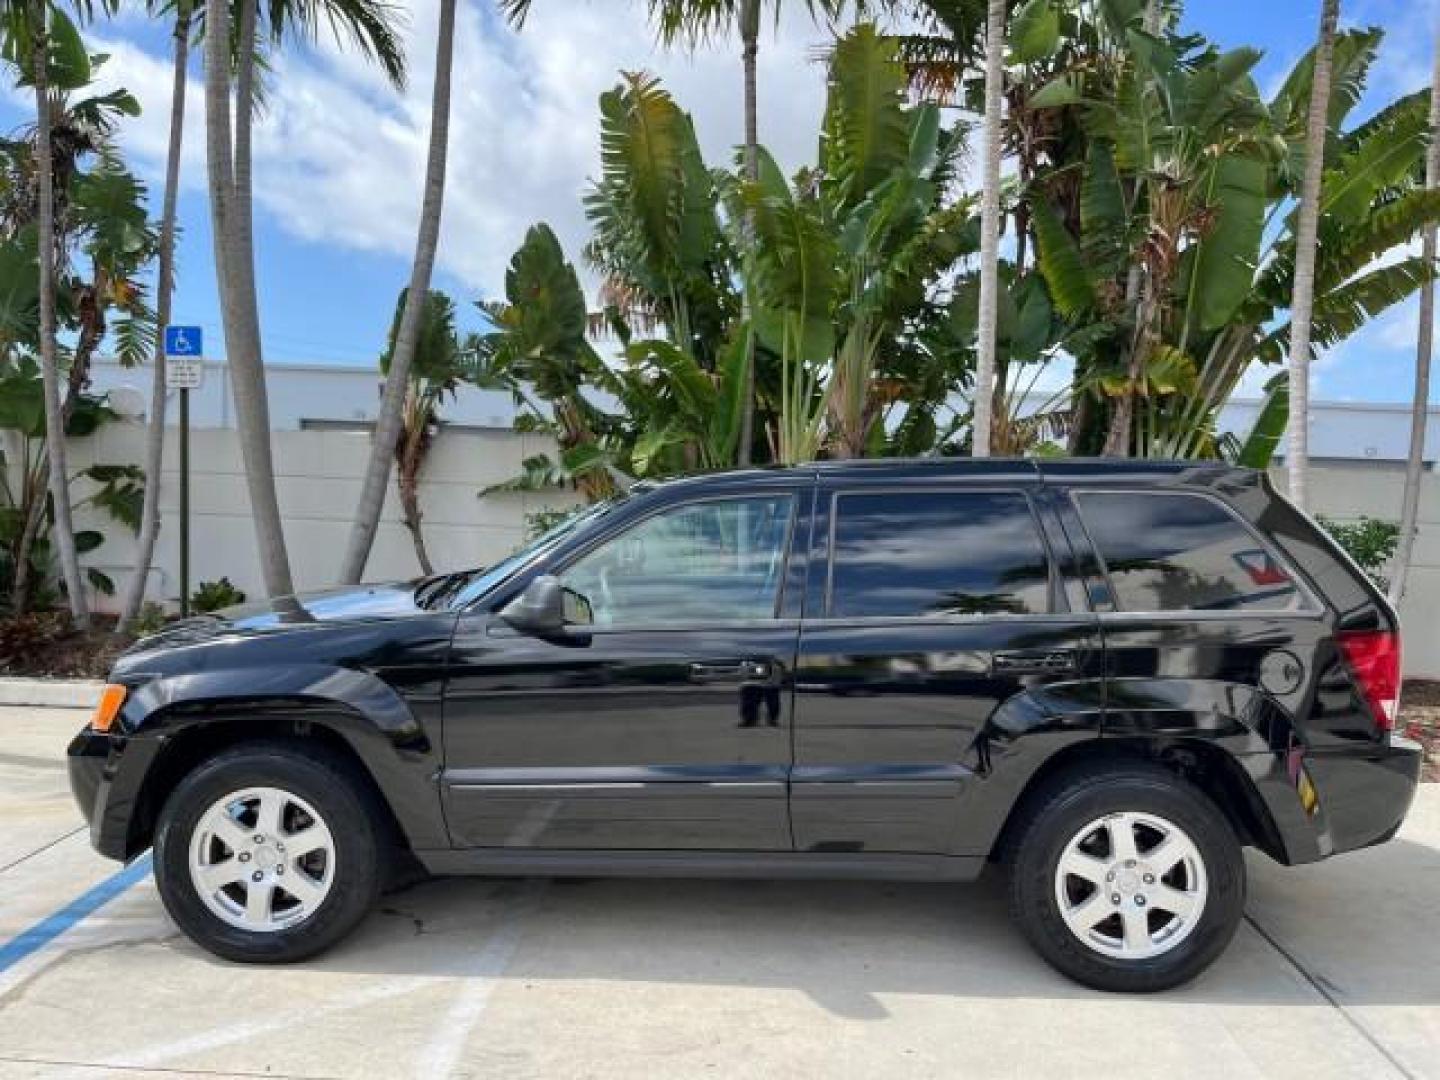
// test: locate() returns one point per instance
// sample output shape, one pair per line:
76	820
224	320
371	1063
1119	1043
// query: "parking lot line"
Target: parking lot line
1324	991
440	1058
87	903
42	848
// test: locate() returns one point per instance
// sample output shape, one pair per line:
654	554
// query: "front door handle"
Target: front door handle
1029	663
731	671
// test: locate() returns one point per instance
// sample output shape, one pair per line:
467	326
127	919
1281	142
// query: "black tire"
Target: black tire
1084	795
342	800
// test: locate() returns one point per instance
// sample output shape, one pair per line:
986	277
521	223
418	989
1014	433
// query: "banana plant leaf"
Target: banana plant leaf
1259	447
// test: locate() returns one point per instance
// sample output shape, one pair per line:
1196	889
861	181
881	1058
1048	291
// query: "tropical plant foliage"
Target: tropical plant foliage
103	244
855	326
1155	197
114	490
1149	264
442	361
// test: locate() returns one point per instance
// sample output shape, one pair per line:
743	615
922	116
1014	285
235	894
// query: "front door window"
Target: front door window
721	560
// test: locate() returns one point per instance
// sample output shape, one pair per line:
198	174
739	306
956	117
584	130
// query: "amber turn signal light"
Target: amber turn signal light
111	698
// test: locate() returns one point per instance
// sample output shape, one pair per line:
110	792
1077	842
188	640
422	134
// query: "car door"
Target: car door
665	723
932	611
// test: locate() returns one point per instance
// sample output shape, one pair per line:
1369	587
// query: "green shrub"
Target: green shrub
214	595
1369	541
150	619
539	522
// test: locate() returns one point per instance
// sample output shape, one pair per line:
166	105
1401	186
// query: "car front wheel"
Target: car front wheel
266	853
1127	878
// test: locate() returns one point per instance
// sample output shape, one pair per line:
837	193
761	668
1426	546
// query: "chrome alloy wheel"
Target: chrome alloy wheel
1131	886
262	859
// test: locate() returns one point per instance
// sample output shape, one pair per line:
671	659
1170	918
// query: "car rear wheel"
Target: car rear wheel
268	854
1127	878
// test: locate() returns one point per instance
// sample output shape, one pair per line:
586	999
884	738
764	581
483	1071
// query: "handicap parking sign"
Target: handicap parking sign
184	341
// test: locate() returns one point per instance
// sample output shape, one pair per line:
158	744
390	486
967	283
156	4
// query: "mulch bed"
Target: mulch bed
44	645
1420	719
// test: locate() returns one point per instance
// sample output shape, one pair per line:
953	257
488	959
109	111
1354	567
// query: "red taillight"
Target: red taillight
1374	658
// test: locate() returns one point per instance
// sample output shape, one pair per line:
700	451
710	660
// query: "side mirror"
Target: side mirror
546	607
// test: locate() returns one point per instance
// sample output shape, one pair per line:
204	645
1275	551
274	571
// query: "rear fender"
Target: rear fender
1021	735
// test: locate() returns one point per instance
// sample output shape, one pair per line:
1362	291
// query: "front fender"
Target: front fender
388	734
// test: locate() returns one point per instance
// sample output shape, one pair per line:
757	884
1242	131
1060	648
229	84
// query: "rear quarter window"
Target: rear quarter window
1170	551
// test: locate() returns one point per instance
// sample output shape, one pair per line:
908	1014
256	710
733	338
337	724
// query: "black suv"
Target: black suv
1108	676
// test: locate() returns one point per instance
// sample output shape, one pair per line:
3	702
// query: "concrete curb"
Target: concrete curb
50	693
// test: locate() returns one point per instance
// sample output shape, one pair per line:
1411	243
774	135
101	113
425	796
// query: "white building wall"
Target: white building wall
318	475
1347	490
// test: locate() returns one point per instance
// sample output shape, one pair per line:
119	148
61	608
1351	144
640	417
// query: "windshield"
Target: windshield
461	589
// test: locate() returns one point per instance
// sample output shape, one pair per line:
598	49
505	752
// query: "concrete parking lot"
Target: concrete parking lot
1336	973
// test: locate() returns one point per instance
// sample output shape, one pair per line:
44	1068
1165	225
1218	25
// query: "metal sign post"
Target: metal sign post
184	371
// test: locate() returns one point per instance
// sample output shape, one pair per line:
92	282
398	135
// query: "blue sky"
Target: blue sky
339	155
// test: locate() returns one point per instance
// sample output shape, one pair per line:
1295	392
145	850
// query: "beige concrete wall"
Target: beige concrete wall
1353	489
318	482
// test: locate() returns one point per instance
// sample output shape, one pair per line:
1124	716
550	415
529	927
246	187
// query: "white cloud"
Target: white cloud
340	156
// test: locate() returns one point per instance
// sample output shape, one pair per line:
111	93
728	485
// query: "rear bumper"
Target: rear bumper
1327	802
106	778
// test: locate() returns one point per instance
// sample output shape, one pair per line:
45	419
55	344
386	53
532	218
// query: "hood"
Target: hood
333	607
360	603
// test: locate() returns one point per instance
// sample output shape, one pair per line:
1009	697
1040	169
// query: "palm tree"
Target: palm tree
100	242
31	20
369	25
165	288
64	531
1424	339
989	228
390	421
441	361
1307	231
235	276
695	21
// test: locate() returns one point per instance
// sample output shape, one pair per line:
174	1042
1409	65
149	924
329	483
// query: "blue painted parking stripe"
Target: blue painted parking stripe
86	904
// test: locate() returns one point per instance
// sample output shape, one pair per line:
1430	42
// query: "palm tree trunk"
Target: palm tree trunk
984	393
407	480
1424	340
388	424
243	221
62	532
750	48
229	173
1119	436
92	332
165	288
1297	458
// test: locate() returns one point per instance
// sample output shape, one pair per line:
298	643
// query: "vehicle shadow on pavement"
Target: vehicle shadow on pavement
1352	928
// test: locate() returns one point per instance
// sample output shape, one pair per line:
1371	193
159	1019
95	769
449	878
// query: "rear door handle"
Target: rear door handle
731	671
1044	660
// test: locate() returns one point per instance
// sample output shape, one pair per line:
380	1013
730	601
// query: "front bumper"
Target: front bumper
1325	802
107	775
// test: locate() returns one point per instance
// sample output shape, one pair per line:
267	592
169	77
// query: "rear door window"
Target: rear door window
1169	551
936	553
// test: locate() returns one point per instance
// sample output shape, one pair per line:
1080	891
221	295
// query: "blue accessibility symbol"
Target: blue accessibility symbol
184	341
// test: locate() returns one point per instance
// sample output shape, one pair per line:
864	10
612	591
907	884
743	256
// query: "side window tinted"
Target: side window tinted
937	553
1176	552
700	563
